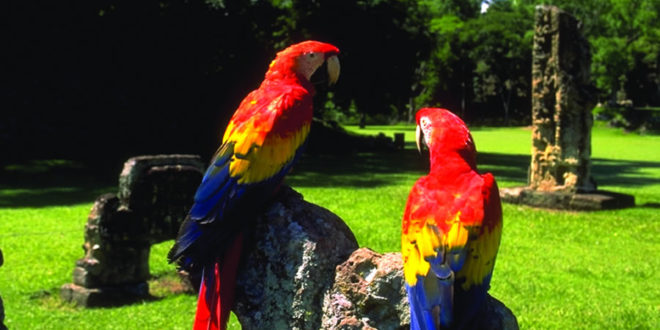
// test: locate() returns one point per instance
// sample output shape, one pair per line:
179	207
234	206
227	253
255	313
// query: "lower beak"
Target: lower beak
418	138
333	69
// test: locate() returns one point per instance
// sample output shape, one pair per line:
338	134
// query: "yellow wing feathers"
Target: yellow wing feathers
416	248
255	160
261	150
480	260
422	245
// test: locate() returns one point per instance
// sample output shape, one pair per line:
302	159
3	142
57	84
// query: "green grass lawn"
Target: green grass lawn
560	270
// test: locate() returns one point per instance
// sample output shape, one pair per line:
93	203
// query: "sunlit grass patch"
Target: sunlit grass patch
554	269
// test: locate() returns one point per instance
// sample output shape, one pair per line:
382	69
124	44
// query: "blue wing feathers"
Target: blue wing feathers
212	183
216	175
420	314
432	297
218	200
189	233
469	305
203	208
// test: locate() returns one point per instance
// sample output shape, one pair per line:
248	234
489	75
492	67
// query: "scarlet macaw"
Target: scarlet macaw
451	228
261	142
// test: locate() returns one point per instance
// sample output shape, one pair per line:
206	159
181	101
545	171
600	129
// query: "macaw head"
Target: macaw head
443	132
304	59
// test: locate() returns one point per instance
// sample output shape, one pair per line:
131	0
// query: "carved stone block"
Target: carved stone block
155	193
562	99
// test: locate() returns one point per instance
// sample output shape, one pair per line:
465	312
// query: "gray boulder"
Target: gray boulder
290	264
369	293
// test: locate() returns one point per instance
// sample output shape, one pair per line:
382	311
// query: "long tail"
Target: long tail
216	293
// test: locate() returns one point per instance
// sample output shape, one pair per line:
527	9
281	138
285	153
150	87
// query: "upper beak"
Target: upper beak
333	69
418	138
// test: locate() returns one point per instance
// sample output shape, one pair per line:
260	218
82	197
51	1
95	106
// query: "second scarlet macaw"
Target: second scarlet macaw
451	228
260	144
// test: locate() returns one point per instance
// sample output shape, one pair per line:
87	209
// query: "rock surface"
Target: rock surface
498	316
290	264
591	201
369	293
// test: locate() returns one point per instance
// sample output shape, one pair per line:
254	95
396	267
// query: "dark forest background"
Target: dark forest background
101	80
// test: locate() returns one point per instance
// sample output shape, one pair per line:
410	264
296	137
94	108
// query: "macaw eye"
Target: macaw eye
312	55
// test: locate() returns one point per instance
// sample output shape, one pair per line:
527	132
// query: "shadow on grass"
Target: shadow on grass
651	205
369	169
365	170
48	183
623	172
68	184
51	300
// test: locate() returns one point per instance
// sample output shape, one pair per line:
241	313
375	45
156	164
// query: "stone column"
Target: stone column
562	99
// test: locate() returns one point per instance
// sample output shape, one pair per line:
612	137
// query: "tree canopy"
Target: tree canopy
93	78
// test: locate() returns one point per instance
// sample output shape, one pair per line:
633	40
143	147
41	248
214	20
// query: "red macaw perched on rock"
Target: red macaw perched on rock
262	141
451	228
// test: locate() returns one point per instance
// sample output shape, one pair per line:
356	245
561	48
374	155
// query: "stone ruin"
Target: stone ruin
155	194
562	100
301	267
561	105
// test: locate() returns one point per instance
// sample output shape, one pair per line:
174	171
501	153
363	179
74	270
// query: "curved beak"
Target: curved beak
418	138
333	69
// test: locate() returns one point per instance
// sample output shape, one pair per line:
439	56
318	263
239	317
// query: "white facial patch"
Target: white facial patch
425	124
308	63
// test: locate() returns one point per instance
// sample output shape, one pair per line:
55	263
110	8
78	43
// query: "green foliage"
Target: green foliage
141	64
626	49
443	72
463	9
480	61
500	47
480	64
625	41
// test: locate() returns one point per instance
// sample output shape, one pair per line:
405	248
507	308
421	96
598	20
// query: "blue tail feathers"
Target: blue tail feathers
432	300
